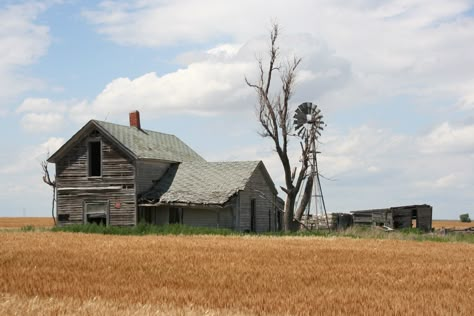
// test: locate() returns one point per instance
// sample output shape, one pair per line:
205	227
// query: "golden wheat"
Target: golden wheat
232	275
451	224
18	222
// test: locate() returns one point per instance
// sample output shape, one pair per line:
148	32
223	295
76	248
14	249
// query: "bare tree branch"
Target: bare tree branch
51	183
273	113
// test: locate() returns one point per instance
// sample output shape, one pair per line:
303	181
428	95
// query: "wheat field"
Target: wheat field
66	273
452	224
18	222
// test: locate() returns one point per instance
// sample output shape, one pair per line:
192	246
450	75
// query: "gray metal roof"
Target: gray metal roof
138	143
146	144
204	183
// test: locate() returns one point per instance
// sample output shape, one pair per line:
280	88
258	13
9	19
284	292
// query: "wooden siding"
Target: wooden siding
147	172
201	217
116	185
265	207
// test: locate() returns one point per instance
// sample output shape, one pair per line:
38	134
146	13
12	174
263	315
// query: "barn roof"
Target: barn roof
203	183
137	143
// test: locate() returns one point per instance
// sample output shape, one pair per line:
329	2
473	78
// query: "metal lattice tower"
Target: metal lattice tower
308	124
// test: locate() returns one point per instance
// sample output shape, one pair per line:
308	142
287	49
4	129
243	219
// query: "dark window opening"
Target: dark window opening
176	215
253	219
97	219
95	159
63	217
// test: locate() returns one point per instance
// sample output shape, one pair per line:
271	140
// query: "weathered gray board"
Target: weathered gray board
396	217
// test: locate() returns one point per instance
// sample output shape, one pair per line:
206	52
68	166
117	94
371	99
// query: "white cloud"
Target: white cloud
394	47
449	138
29	158
39	105
22	42
211	84
44	122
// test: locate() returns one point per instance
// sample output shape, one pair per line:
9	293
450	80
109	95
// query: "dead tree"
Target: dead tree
52	184
273	113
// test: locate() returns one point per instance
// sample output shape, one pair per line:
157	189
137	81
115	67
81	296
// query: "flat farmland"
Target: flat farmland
87	274
18	222
451	224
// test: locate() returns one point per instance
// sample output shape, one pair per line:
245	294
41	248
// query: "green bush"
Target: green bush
28	228
465	218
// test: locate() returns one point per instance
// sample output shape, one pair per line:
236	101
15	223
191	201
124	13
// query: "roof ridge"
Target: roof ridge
143	129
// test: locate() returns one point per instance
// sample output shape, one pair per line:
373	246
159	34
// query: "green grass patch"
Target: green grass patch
357	232
144	229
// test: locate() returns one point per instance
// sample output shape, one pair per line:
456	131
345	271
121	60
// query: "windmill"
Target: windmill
308	125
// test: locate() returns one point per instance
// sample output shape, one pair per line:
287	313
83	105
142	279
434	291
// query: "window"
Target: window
96	212
253	217
95	159
176	215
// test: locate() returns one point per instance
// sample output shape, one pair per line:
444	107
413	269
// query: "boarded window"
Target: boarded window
95	159
96	212
253	215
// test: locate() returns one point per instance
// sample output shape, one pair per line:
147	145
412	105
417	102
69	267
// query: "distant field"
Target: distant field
66	273
18	222
451	224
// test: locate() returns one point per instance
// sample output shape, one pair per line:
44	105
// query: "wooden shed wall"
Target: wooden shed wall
424	217
265	207
116	185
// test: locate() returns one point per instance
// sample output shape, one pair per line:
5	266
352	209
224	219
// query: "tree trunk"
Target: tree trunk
289	224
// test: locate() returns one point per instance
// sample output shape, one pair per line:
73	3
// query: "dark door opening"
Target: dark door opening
253	219
176	215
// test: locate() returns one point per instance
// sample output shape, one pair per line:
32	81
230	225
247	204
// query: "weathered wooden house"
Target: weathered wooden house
396	217
120	175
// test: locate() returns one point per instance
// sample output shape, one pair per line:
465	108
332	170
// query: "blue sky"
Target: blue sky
394	80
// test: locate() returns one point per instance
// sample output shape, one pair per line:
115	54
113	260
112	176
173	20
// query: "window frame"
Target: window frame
106	204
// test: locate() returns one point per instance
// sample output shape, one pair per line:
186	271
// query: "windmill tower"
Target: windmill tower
308	126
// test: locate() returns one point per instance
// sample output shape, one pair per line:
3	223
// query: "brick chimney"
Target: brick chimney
135	119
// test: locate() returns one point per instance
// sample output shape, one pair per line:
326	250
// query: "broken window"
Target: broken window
95	159
96	212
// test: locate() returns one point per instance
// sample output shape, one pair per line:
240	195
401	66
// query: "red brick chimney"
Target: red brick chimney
135	119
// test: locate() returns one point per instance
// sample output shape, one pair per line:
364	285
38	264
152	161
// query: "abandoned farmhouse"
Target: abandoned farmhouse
121	175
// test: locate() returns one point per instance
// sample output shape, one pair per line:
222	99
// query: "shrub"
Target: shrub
28	228
465	218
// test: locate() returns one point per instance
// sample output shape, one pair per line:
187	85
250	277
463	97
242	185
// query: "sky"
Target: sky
393	79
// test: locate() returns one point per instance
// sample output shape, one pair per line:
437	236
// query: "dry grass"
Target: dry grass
18	222
64	273
451	224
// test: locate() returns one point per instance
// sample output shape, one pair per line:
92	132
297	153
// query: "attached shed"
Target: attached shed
396	217
238	195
